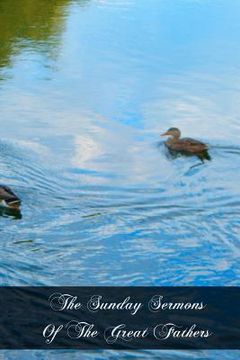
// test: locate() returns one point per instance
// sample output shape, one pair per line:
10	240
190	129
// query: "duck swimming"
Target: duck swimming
186	146
8	198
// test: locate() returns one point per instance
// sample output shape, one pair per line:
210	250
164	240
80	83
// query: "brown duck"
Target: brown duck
185	145
8	198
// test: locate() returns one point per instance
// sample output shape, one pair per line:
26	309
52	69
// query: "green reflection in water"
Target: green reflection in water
37	24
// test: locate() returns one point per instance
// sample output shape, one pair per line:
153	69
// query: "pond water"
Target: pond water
86	88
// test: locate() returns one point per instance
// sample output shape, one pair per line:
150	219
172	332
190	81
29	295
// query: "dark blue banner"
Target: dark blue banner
120	318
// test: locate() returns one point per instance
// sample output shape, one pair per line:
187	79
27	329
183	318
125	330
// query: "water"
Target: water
86	88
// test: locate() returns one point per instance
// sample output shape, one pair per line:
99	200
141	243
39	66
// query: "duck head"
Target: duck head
173	132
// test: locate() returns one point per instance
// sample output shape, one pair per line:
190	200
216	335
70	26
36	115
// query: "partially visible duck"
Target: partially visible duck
186	145
8	198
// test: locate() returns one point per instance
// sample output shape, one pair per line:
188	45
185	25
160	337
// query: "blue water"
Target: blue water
86	88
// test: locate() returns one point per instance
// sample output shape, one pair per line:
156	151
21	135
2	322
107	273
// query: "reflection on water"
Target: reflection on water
31	25
87	87
25	23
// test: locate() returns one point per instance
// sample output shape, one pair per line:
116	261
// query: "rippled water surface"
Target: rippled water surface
86	88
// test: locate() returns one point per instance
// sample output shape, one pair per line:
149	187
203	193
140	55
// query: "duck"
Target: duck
185	145
8	198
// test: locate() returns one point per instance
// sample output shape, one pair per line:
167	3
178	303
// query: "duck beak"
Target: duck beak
165	134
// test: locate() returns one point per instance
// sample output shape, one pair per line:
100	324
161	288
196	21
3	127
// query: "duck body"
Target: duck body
184	145
8	198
